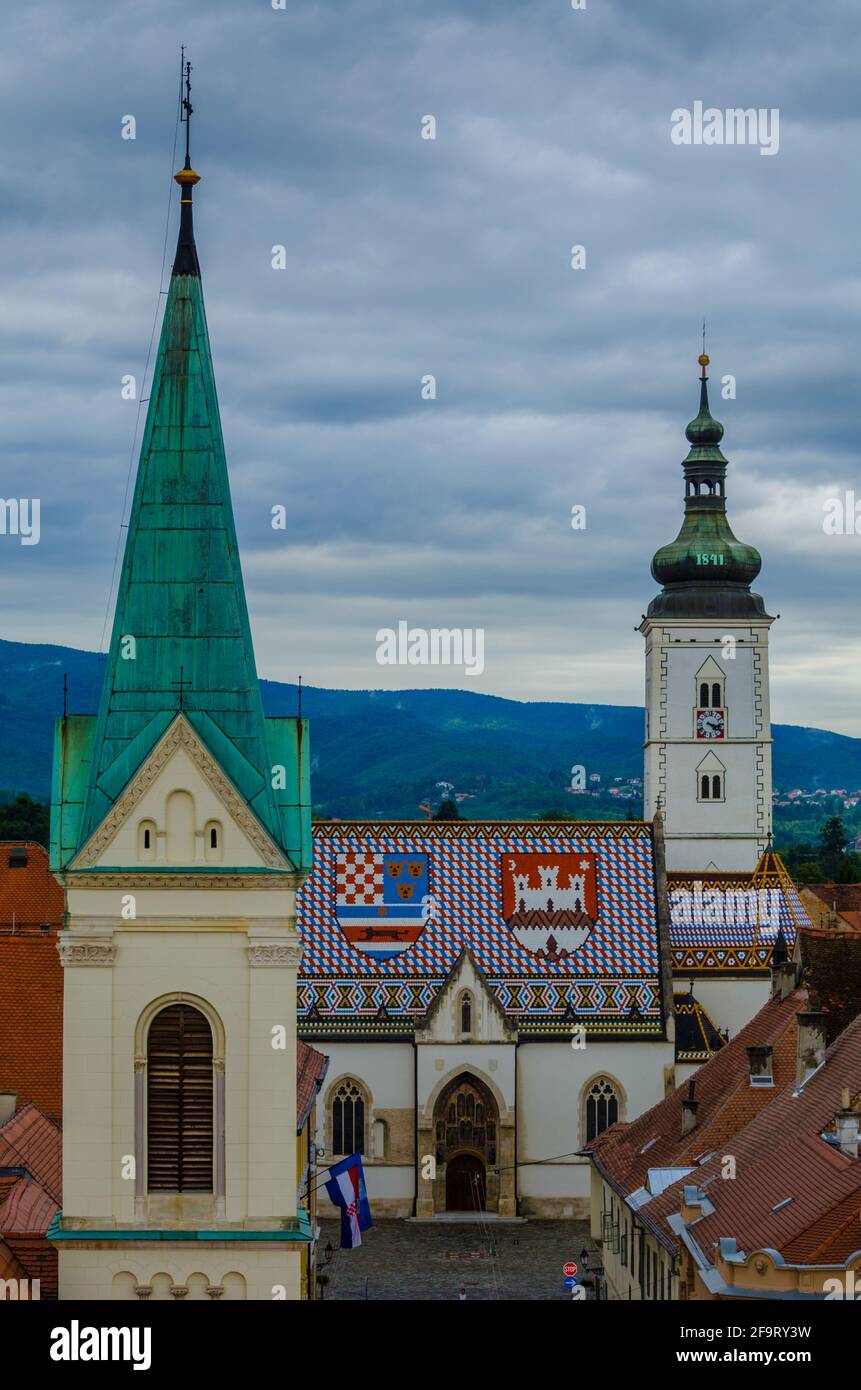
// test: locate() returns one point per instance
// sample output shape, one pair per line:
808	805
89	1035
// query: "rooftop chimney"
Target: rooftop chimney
689	1109
810	1045
8	1105
784	977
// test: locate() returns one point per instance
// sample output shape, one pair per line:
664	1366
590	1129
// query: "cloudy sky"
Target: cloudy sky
451	257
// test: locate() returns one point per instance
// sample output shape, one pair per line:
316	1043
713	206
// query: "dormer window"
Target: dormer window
760	1062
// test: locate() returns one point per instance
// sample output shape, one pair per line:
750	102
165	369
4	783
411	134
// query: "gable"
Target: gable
710	670
181	795
488	1021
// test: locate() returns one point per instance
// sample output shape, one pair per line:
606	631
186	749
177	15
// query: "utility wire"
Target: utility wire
146	369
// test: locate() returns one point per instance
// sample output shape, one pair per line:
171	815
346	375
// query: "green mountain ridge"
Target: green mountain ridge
378	754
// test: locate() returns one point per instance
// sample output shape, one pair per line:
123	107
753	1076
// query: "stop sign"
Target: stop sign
569	1269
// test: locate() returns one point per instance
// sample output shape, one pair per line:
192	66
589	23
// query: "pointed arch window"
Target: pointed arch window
348	1119
180	1101
602	1107
466	1012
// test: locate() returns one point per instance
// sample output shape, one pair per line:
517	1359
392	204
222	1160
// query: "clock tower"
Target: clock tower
708	724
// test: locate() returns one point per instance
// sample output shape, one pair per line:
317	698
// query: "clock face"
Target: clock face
710	723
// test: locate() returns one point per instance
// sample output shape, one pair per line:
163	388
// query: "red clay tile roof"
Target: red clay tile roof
779	1154
30	1140
28	1210
31	895
31	982
725	1102
39	1260
9	1266
311	1067
833	906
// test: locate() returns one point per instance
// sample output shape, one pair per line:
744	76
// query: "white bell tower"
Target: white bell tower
707	749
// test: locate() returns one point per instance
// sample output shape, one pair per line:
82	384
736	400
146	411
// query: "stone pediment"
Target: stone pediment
442	1023
180	762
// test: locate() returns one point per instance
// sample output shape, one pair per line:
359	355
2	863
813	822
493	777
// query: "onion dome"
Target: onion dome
705	571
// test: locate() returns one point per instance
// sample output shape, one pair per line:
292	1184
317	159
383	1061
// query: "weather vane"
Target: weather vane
187	108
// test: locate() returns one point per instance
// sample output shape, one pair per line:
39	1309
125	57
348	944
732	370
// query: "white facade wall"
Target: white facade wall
731	1003
731	833
552	1082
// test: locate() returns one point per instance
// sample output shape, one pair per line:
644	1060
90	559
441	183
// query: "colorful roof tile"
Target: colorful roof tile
725	921
610	982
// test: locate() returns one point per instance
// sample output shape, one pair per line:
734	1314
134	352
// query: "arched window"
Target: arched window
716	792
380	1139
704	787
704	695
179	1101
715	695
348	1119
466	1012
146	840
602	1107
213	837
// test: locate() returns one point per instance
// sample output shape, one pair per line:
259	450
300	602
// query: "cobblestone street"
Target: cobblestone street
403	1261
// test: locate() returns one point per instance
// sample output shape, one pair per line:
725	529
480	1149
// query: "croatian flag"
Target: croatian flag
346	1189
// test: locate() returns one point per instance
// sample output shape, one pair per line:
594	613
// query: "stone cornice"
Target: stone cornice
87	950
140	879
284	954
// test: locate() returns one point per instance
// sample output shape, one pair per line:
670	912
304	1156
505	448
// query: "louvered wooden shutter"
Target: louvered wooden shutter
179	1101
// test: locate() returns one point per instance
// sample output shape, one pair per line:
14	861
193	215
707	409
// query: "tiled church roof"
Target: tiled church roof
728	921
611	982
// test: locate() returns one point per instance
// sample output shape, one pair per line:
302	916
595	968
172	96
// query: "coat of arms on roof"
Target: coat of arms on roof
382	901
550	901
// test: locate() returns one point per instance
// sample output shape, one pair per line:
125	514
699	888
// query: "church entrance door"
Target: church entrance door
465	1183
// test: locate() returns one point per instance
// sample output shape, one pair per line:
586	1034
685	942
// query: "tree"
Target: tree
25	819
832	847
447	810
808	872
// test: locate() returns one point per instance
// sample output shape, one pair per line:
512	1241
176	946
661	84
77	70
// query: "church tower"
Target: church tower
708	723
181	833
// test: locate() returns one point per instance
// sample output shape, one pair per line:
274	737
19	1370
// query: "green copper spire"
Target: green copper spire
705	572
181	638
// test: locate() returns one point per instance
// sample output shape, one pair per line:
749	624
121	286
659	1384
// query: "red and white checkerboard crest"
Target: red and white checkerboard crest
381	900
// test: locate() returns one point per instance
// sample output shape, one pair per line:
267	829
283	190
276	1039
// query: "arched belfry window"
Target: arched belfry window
704	787
180	1101
348	1118
602	1107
